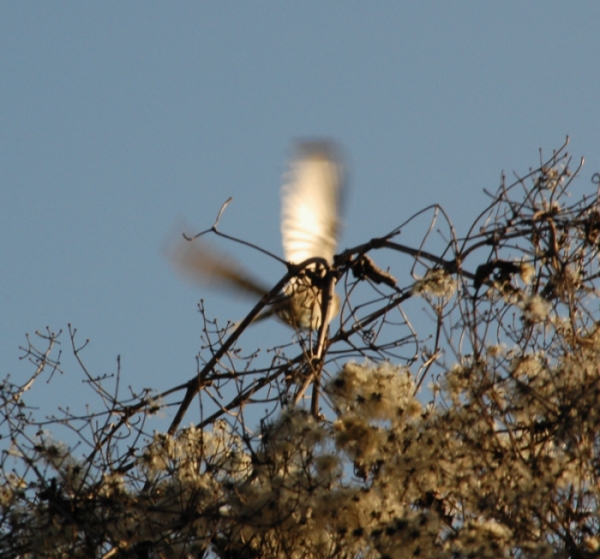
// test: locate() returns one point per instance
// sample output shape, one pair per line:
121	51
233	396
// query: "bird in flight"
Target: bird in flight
311	194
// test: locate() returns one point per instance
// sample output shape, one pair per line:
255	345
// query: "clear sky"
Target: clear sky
118	118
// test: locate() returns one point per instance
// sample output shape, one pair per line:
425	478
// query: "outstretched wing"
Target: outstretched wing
310	203
198	262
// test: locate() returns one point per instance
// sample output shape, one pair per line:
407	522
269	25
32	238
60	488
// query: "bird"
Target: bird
311	196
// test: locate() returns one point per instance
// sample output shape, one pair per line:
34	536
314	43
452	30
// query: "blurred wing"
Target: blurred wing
200	263
310	202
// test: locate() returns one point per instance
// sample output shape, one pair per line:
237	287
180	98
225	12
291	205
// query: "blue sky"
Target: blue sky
118	118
